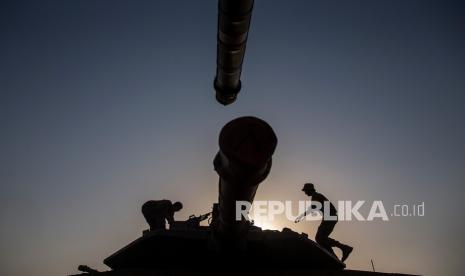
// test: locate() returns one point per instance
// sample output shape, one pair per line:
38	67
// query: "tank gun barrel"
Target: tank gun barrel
233	28
243	162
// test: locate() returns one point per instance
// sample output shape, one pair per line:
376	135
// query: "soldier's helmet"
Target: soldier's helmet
308	187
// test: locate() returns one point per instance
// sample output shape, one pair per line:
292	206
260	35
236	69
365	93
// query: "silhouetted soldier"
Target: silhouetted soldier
326	226
157	211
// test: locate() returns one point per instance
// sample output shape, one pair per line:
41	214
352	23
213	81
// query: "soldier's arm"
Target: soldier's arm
300	217
170	217
304	214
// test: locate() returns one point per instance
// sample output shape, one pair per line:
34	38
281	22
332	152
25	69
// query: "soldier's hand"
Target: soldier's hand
300	217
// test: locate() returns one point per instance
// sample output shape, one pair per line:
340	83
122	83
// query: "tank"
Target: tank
244	159
227	246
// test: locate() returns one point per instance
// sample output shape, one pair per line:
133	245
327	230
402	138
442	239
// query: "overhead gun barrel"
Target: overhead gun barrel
233	28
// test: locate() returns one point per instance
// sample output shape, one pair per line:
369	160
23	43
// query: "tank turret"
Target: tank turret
246	146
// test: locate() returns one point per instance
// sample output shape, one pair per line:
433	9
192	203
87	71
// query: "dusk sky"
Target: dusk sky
107	104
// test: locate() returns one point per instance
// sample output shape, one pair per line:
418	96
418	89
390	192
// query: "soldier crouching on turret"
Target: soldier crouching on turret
157	212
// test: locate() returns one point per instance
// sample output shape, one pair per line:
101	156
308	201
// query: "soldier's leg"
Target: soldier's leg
322	238
346	249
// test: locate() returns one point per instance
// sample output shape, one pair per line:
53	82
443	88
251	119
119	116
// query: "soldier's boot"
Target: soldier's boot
346	250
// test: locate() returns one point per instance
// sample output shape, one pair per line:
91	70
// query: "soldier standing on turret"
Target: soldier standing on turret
326	226
157	212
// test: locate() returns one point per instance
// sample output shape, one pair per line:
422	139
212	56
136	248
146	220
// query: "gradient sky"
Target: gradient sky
107	104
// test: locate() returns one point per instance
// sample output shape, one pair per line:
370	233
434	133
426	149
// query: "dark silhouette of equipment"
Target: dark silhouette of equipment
192	223
327	226
233	29
200	218
86	269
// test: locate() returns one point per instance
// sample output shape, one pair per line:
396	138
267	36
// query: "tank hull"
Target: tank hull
190	248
